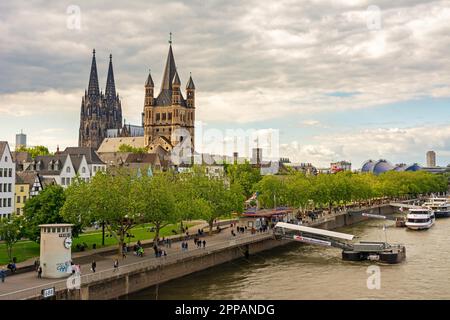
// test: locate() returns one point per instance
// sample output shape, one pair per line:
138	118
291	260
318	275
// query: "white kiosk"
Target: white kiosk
56	253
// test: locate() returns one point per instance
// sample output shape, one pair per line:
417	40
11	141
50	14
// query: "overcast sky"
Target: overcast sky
336	82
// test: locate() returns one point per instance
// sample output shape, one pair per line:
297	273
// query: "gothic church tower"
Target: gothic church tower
169	111
99	112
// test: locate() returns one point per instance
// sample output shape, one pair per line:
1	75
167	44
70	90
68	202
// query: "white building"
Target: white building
63	168
7	180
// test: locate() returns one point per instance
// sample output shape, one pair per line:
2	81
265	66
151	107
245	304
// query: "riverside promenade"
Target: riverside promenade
137	273
26	285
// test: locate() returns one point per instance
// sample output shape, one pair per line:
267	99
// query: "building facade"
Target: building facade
7	180
169	117
99	112
431	159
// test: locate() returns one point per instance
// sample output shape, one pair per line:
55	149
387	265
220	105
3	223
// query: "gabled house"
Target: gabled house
7	180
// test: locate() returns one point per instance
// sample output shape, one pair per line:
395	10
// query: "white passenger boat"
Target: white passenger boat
440	206
419	218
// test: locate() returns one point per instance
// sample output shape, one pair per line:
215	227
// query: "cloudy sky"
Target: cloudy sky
336	80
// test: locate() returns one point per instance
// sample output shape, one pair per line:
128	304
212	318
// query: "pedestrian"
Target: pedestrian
39	271
93	266
36	264
2	275
186	246
204	243
116	265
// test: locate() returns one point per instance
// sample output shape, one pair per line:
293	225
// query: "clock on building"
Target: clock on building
67	242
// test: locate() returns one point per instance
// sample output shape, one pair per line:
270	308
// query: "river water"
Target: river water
300	271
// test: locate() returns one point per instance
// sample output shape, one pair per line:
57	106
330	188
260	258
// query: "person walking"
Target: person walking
204	243
39	271
2	275
116	265
93	266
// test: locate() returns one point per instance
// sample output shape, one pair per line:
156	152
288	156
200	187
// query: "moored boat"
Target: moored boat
420	218
440	206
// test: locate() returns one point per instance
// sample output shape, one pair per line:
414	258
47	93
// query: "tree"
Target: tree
216	196
245	175
44	209
128	148
11	231
155	199
108	197
35	151
272	191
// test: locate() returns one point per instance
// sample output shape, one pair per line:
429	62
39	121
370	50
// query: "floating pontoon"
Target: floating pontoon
364	250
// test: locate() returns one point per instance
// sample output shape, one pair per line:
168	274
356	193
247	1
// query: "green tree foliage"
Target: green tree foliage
273	191
109	198
44	209
11	231
216	196
155	199
245	175
35	151
328	190
128	148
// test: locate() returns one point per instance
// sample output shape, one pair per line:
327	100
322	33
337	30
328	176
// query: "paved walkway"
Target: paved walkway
28	280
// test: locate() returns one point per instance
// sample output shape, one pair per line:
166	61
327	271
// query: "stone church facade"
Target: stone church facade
169	117
99	112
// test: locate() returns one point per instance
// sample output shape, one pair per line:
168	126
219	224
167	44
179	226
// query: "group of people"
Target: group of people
159	252
138	249
199	243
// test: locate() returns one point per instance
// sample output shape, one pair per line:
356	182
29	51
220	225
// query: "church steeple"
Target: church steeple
110	85
93	89
169	70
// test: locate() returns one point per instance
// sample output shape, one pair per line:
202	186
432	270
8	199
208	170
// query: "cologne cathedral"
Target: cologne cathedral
100	111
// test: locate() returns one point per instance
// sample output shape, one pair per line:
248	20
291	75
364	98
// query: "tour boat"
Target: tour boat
440	206
419	218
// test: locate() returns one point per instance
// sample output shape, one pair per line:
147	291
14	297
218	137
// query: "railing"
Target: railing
149	263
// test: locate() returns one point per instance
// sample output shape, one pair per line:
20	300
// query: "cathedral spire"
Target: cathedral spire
110	85
169	70
93	89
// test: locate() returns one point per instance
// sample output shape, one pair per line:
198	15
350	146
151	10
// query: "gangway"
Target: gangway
399	221
363	250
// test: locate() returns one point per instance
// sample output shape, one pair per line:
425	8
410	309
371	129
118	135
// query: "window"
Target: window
18	199
170	116
63	181
164	116
5	185
157	117
10	172
68	169
83	170
24	198
9	202
4	202
9	187
95	168
21	189
1	172
18	211
6	159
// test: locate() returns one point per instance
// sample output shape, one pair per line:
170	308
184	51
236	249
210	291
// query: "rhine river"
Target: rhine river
300	271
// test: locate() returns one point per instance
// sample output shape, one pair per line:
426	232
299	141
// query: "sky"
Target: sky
340	80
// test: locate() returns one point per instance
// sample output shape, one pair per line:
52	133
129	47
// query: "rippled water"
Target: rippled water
299	271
